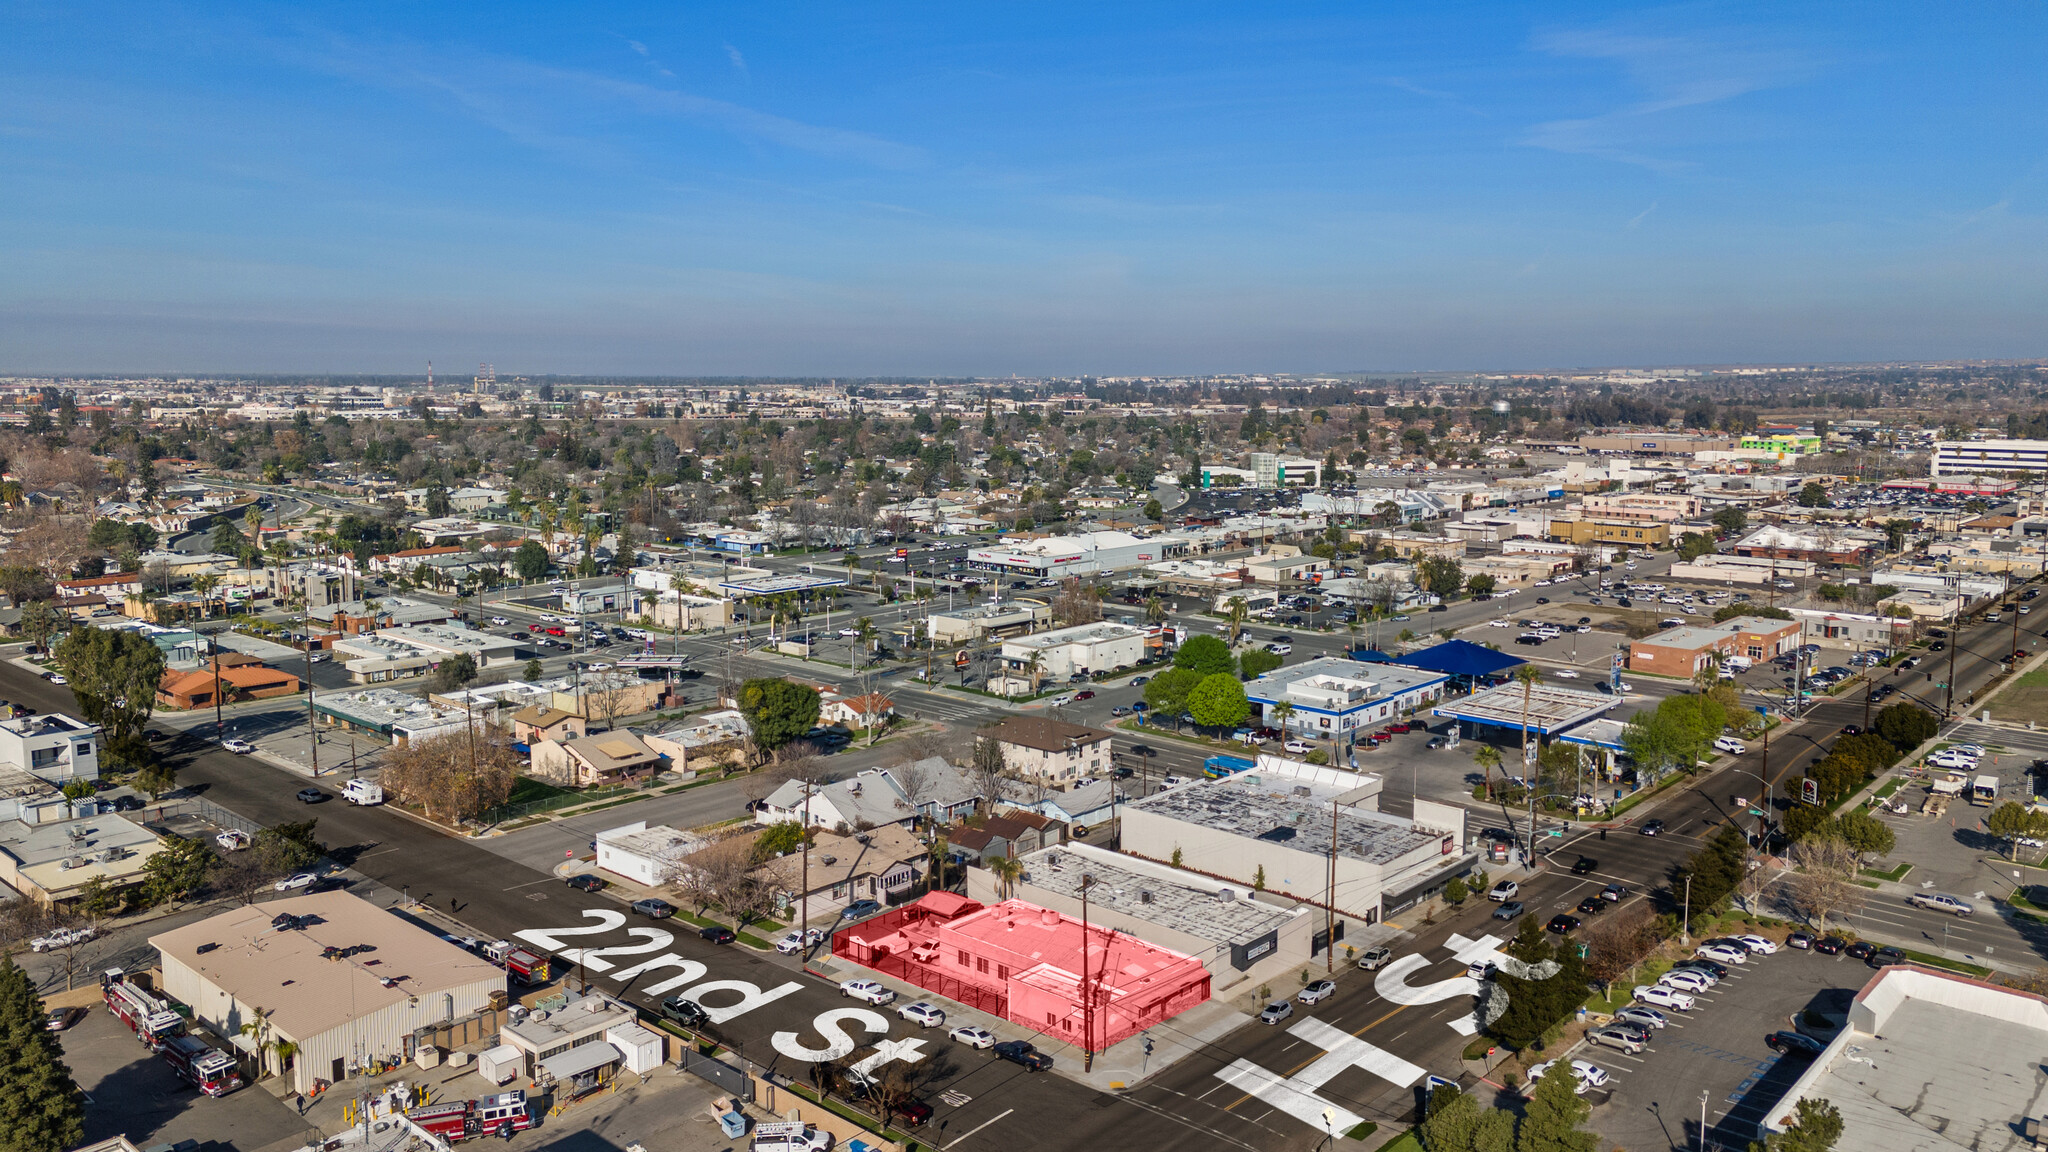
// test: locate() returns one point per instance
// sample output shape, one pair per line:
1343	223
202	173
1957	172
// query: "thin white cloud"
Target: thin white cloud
637	46
541	104
1674	73
1636	220
739	62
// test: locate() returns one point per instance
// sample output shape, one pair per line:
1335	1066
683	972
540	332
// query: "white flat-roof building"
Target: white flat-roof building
1081	648
1078	555
341	1012
1991	457
52	747
647	856
1332	697
966	625
393	653
1277	819
388	712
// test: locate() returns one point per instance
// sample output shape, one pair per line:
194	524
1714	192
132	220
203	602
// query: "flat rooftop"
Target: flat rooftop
1551	709
1194	909
1337	683
308	994
1932	1061
1286	810
45	724
1079	634
768	585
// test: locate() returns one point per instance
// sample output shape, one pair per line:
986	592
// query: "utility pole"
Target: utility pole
312	734
1685	926
1330	898
1955	641
1087	997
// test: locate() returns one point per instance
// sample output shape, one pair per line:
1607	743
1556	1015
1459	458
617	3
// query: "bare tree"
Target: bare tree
1825	882
1616	944
915	776
1076	604
988	769
454	776
1751	888
607	696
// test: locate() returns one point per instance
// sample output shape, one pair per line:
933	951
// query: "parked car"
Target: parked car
1829	945
1730	745
1642	1015
1021	1052
1758	945
585	882
1275	1012
58	1019
1702	964
794	941
869	991
1615	1036
861	909
66	937
1503	891
1886	956
924	1014
1614	893
1794	1044
1297	747
295	881
1372	959
718	934
1317	992
238	746
1687	980
1860	950
972	1036
688	1013
1664	996
1800	940
654	909
1722	954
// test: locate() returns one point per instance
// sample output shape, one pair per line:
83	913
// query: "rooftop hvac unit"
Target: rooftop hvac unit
831	859
71	862
1226	895
1301	790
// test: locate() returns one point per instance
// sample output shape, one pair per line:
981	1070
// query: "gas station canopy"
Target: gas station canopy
1550	709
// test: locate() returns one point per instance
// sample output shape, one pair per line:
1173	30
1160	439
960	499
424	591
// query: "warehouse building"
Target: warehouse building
343	981
1083	554
1283	822
1684	651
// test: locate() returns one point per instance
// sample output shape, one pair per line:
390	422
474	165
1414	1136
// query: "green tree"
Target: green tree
1816	1125
1168	691
454	672
1207	655
40	620
533	672
1694	545
1258	662
1453	1117
1154	510
1730	519
530	560
1536	1005
1895	533
1455	891
778	840
226	539
114	675
1906	726
1714	869
1550	1121
289	847
2009	821
1481	585
1745	608
1813	495
1440	575
777	710
1219	701
41	1108
177	871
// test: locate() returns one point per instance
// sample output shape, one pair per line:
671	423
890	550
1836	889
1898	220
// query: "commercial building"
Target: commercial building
52	860
581	1044
322	585
1627	533
1282	821
1659	507
1063	652
1048	749
1969	457
398	653
1931	1060
1237	935
1271	470
1740	569
1820	544
1333	698
346	983
650	857
1006	618
1036	967
52	747
1082	554
1684	651
389	713
682	611
234	677
596	599
1656	443
1858	631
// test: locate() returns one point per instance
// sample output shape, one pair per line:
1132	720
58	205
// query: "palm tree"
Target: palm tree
678	583
1528	676
1006	872
1035	668
1235	611
204	584
1283	712
1488	759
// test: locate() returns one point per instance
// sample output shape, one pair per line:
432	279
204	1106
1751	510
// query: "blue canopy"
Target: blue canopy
1460	658
1371	656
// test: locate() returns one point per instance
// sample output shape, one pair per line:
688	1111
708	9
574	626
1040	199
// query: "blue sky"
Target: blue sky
980	189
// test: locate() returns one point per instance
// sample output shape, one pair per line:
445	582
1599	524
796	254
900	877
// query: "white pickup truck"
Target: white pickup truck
363	792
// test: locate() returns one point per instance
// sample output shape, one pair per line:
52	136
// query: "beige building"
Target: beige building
606	758
696	613
1413	546
1050	749
1661	507
604	696
340	1012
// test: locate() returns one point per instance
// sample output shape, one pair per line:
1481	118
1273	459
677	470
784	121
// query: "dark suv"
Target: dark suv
587	883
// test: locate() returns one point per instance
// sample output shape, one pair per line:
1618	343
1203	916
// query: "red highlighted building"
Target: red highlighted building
1030	966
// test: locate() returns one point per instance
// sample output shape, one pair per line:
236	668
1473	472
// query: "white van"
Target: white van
790	1137
1735	664
364	792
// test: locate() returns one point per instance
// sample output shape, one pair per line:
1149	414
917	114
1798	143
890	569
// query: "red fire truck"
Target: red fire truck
499	1115
148	1015
524	966
201	1065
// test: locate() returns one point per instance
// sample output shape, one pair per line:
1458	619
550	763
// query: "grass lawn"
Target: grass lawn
1405	1142
527	790
1624	989
1894	874
1890	786
1933	961
2022	699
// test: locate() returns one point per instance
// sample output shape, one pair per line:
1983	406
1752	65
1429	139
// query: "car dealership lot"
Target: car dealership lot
1653	1097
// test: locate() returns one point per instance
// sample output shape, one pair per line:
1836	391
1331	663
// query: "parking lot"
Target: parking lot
133	1093
1653	1097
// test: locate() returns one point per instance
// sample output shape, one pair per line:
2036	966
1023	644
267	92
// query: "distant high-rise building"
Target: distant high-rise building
486	379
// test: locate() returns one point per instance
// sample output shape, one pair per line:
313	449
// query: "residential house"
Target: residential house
884	864
941	791
871	799
866	710
607	758
236	676
1048	749
537	722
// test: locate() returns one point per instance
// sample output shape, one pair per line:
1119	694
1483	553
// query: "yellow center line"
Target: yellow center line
1319	1055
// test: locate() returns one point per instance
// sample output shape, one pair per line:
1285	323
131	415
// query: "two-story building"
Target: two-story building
1048	749
1333	698
52	747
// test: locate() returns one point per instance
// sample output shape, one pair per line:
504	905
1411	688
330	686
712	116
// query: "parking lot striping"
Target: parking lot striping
531	883
984	1124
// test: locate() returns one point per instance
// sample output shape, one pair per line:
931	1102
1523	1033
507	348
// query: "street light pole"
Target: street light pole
1087	997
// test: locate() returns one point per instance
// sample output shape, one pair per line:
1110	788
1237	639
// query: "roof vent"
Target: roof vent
1301	790
1226	895
1144	896
831	859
